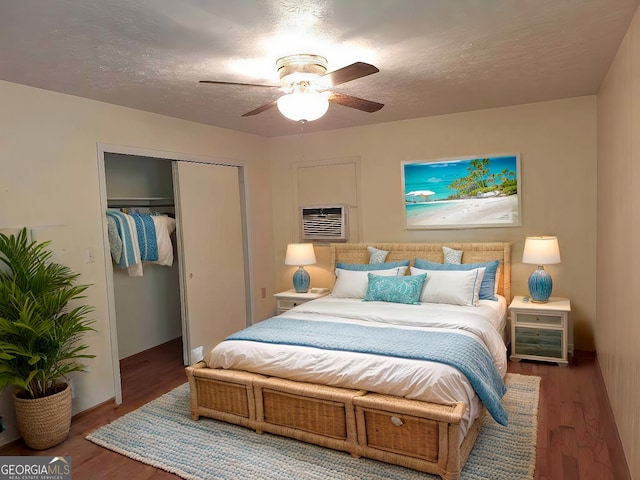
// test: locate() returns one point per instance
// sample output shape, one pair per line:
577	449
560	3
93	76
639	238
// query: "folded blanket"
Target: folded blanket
164	227
115	244
147	242
126	229
460	351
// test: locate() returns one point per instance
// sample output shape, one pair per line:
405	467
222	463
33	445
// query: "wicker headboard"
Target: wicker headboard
473	253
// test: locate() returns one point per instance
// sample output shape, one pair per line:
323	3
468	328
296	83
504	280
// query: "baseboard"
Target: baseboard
607	406
111	403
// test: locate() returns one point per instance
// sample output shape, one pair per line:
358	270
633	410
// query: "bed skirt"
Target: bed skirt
418	435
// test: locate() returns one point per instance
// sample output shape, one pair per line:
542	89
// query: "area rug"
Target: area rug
162	434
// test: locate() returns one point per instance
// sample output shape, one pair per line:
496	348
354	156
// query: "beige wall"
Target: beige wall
49	181
557	146
618	286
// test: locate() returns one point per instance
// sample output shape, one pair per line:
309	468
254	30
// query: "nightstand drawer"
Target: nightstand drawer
289	299
533	319
287	304
538	342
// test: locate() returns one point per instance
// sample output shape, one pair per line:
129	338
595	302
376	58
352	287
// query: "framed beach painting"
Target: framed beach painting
469	192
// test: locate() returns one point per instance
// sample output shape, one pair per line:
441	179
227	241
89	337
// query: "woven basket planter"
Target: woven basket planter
44	422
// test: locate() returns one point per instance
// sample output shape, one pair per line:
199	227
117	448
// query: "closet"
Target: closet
148	311
202	297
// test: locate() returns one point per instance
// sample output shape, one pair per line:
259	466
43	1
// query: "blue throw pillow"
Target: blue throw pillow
395	289
488	286
364	267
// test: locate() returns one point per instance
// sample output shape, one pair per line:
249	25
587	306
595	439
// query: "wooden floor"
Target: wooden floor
577	438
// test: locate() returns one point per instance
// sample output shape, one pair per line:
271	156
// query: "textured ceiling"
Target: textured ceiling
434	56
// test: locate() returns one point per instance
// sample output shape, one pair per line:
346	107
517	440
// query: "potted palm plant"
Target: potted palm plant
40	331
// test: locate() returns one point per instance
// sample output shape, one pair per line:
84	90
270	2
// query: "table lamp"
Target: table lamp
300	254
540	251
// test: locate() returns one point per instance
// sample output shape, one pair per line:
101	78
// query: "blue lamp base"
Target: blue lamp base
540	285
301	280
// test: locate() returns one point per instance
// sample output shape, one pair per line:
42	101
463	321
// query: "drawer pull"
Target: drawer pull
397	421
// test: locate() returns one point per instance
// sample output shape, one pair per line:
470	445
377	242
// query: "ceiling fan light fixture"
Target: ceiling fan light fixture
304	103
294	69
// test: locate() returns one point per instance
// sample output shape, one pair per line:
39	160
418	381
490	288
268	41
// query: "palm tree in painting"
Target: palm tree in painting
481	179
479	170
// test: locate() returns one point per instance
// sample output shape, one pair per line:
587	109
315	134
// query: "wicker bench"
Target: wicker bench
418	435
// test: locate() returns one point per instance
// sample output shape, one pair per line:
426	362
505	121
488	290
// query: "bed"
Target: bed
409	411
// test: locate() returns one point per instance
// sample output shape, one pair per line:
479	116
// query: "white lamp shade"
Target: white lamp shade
300	254
541	251
304	104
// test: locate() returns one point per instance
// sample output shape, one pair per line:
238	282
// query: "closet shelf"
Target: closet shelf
140	202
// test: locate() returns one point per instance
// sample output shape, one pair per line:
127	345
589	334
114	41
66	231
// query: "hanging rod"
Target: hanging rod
121	202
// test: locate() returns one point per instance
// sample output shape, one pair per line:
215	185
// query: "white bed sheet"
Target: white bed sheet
414	379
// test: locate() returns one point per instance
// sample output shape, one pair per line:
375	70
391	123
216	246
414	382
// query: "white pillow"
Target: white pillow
455	287
354	283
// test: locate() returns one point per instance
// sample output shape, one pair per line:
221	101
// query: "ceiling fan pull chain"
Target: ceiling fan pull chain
302	122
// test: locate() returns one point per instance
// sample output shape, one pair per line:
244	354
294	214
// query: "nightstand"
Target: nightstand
540	331
291	298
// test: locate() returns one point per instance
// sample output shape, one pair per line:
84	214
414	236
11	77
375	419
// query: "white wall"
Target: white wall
557	146
49	180
618	327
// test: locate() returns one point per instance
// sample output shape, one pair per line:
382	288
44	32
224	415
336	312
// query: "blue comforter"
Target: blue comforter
457	350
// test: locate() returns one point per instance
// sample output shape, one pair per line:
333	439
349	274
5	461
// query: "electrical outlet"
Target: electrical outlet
263	292
73	389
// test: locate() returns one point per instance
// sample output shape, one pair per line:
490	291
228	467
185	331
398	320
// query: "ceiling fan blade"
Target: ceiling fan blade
355	102
261	109
346	74
214	82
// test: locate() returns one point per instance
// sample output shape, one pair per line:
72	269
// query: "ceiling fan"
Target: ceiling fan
306	84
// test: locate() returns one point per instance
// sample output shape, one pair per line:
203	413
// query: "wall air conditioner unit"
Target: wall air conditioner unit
324	223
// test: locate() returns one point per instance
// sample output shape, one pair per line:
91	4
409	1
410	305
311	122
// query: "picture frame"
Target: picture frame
464	192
